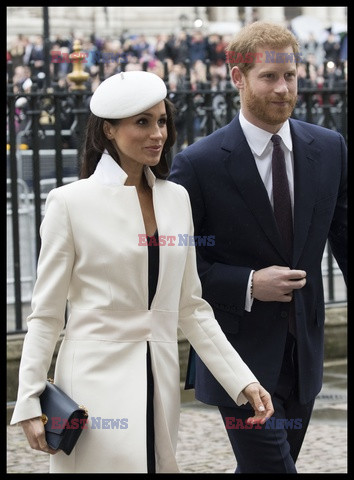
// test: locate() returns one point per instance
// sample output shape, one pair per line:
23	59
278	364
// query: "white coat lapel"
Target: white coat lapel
108	172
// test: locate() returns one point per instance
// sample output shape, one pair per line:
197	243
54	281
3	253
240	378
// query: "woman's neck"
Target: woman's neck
138	180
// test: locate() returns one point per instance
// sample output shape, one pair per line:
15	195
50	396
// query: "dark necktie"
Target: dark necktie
282	208
281	196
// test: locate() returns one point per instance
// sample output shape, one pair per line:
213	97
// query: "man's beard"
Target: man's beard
263	109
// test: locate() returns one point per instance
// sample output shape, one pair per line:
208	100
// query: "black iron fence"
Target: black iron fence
45	126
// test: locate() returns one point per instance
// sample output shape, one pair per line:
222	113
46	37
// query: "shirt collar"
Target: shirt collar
258	139
108	172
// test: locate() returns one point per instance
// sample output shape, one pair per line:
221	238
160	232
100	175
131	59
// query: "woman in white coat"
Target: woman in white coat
126	299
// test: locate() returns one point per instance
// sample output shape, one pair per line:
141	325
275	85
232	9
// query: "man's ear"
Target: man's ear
108	130
237	78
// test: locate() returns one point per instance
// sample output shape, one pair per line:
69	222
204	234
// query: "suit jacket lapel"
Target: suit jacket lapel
306	168
242	167
243	170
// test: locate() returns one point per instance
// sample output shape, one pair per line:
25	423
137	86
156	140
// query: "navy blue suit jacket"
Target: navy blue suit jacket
230	202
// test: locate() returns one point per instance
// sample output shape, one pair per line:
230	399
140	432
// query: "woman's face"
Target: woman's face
139	140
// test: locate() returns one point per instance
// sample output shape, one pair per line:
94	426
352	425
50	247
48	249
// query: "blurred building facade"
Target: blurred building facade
115	21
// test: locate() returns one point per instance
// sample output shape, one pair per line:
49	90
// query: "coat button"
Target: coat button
284	314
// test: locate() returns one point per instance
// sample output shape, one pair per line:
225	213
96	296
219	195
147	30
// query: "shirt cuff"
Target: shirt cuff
249	298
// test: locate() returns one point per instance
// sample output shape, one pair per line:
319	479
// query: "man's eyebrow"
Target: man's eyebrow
268	70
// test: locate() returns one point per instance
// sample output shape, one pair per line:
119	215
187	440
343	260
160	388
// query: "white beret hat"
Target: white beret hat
126	94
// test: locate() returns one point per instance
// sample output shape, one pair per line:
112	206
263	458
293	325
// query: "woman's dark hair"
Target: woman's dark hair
96	142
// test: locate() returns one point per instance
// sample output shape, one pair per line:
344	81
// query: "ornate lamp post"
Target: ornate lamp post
78	76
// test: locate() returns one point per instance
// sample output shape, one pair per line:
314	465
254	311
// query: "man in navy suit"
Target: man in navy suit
269	303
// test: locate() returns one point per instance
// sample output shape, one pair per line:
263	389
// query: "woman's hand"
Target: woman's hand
34	430
261	403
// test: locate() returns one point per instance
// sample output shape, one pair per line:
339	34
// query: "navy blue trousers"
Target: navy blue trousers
275	446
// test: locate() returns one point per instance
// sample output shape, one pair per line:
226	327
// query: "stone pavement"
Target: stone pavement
203	445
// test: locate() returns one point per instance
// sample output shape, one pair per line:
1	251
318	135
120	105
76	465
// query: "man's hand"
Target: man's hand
34	430
276	284
261	403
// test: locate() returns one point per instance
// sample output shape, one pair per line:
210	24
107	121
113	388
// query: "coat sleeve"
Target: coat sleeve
197	322
47	320
338	234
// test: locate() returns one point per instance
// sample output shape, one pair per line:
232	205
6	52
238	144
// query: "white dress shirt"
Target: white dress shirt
261	146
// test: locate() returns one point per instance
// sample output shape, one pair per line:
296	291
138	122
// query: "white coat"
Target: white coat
91	256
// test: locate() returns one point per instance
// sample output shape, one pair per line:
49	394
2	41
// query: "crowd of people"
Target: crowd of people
208	67
135	51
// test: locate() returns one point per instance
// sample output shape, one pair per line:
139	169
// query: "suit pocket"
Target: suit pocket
325	205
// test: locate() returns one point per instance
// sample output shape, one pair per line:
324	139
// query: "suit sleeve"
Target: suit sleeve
197	322
47	320
224	286
338	234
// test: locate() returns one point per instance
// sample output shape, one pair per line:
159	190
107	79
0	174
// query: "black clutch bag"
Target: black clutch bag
62	417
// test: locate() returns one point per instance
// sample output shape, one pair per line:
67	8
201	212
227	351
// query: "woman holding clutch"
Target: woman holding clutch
111	247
